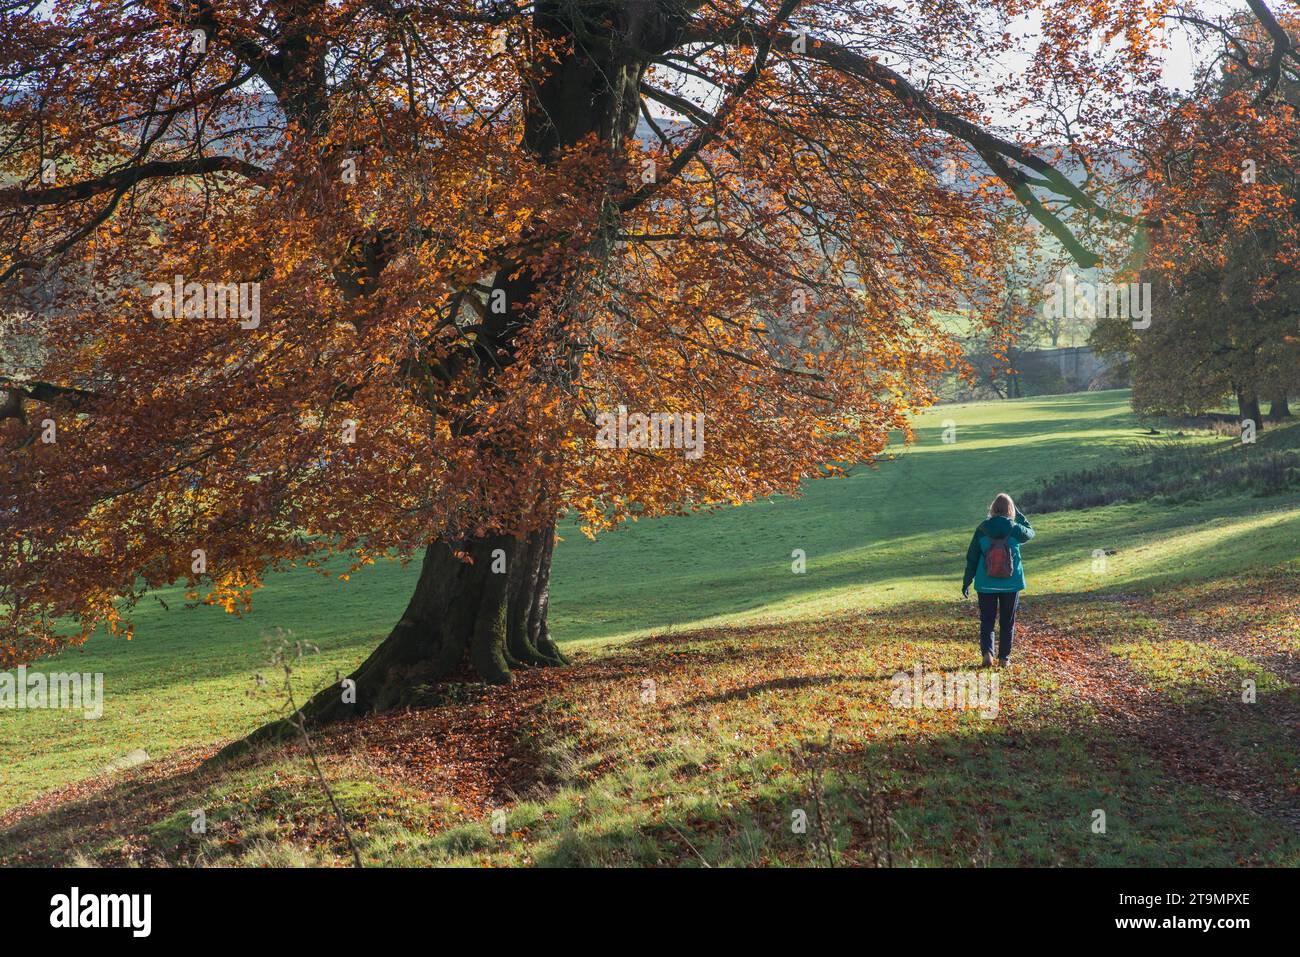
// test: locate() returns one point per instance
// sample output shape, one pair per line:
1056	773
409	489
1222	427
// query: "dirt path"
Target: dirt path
1182	732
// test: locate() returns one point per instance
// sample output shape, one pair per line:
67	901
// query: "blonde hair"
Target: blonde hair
1002	505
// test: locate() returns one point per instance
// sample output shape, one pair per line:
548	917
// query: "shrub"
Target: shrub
1172	472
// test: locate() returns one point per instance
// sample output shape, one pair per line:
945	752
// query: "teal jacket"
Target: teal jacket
998	526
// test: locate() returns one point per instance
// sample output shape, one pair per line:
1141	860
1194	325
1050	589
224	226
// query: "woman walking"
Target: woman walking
993	564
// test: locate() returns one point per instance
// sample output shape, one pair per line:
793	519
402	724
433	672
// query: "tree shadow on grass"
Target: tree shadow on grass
1057	556
1175	782
1011	799
129	806
792	683
991	795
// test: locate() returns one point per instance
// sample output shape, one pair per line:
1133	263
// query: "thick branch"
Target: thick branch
46	391
14	392
270	67
711	130
126	178
1281	47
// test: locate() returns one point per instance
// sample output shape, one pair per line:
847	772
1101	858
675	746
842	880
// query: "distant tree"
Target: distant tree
1223	168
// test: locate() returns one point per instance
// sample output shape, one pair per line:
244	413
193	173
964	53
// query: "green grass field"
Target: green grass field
710	603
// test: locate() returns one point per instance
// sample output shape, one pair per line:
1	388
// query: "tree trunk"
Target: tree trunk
474	619
1248	408
1279	408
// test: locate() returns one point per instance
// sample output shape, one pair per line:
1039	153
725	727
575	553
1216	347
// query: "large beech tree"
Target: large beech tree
472	228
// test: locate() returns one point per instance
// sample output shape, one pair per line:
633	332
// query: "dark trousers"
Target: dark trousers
999	606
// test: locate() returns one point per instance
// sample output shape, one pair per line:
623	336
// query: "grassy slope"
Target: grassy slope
582	768
877	539
899	533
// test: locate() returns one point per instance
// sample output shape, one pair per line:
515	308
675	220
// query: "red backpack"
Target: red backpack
997	560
